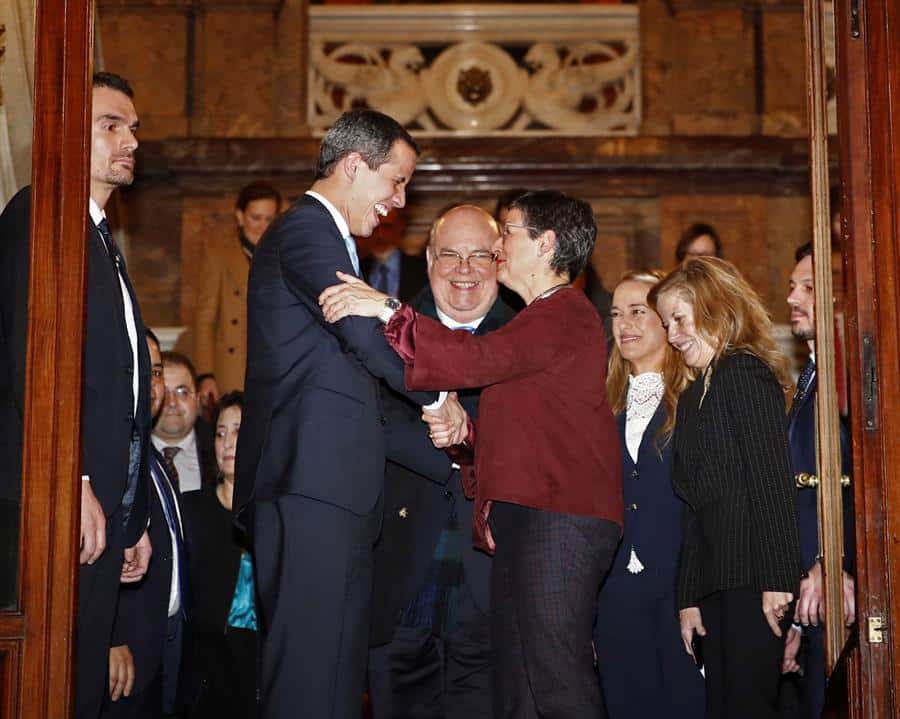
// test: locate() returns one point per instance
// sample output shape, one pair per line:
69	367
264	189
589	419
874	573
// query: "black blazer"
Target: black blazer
413	274
108	418
733	467
312	424
143	609
420	488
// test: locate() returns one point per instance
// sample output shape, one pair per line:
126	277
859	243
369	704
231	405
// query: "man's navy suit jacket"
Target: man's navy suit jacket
108	417
420	488
311	424
802	438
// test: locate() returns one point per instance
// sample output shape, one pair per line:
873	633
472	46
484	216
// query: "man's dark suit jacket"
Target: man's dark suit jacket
312	424
802	437
418	495
413	274
143	609
733	467
107	411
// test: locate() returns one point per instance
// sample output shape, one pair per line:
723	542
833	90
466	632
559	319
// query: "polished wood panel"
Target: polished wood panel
868	61
37	665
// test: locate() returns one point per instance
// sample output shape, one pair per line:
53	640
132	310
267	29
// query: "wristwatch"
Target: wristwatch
391	305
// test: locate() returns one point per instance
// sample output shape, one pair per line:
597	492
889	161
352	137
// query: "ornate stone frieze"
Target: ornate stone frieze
479	69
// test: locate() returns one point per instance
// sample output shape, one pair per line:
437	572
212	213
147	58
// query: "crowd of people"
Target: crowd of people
436	480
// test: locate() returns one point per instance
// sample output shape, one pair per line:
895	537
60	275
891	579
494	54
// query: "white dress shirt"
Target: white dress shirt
187	461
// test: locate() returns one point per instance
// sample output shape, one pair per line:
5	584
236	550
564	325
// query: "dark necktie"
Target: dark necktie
169	455
381	278
803	381
169	509
111	247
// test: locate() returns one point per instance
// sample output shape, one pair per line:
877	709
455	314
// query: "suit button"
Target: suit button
634	474
237	293
633	506
448	495
234	321
403	513
129	369
231	350
382	419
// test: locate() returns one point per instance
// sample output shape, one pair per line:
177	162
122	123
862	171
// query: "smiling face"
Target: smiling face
256	218
114	124
678	318
374	193
461	269
802	301
637	329
228	425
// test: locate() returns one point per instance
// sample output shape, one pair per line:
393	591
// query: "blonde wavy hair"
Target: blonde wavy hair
728	313
676	375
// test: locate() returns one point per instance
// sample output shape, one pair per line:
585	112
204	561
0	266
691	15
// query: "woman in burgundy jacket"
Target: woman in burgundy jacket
547	462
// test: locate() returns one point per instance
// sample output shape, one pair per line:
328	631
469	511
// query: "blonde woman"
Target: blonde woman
643	668
740	559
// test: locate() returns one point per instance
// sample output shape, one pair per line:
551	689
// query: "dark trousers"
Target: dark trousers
644	670
314	568
546	573
98	594
803	697
225	661
743	656
420	675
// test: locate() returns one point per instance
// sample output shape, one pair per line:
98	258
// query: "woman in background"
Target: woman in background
740	559
224	614
644	670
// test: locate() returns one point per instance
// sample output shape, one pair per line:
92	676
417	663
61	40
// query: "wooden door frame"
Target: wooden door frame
38	637
868	62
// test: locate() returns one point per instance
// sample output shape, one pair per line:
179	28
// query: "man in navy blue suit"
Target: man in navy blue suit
810	611
431	650
147	657
310	462
115	405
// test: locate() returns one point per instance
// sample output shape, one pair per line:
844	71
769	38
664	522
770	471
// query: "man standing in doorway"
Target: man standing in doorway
810	609
115	409
310	461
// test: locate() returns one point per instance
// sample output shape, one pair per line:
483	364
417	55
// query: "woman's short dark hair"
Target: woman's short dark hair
698	229
259	190
571	219
234	398
805	250
505	200
370	133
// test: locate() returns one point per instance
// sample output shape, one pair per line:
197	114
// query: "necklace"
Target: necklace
551	290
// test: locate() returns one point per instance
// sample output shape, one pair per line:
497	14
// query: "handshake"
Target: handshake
448	424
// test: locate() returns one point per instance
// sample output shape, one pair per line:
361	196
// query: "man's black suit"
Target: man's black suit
142	615
310	467
108	425
421	488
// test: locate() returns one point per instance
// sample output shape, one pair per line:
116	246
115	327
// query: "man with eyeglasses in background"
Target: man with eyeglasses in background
183	438
431	650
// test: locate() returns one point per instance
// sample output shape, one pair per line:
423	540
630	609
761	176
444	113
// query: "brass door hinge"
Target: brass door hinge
877	628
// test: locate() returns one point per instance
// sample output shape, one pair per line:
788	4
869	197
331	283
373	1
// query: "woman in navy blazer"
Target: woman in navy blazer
644	670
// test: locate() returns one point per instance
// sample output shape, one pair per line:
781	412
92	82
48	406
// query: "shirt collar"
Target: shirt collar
452	324
187	443
338	218
97	215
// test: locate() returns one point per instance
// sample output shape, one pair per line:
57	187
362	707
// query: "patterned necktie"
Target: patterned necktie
465	328
111	247
169	455
803	381
171	513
